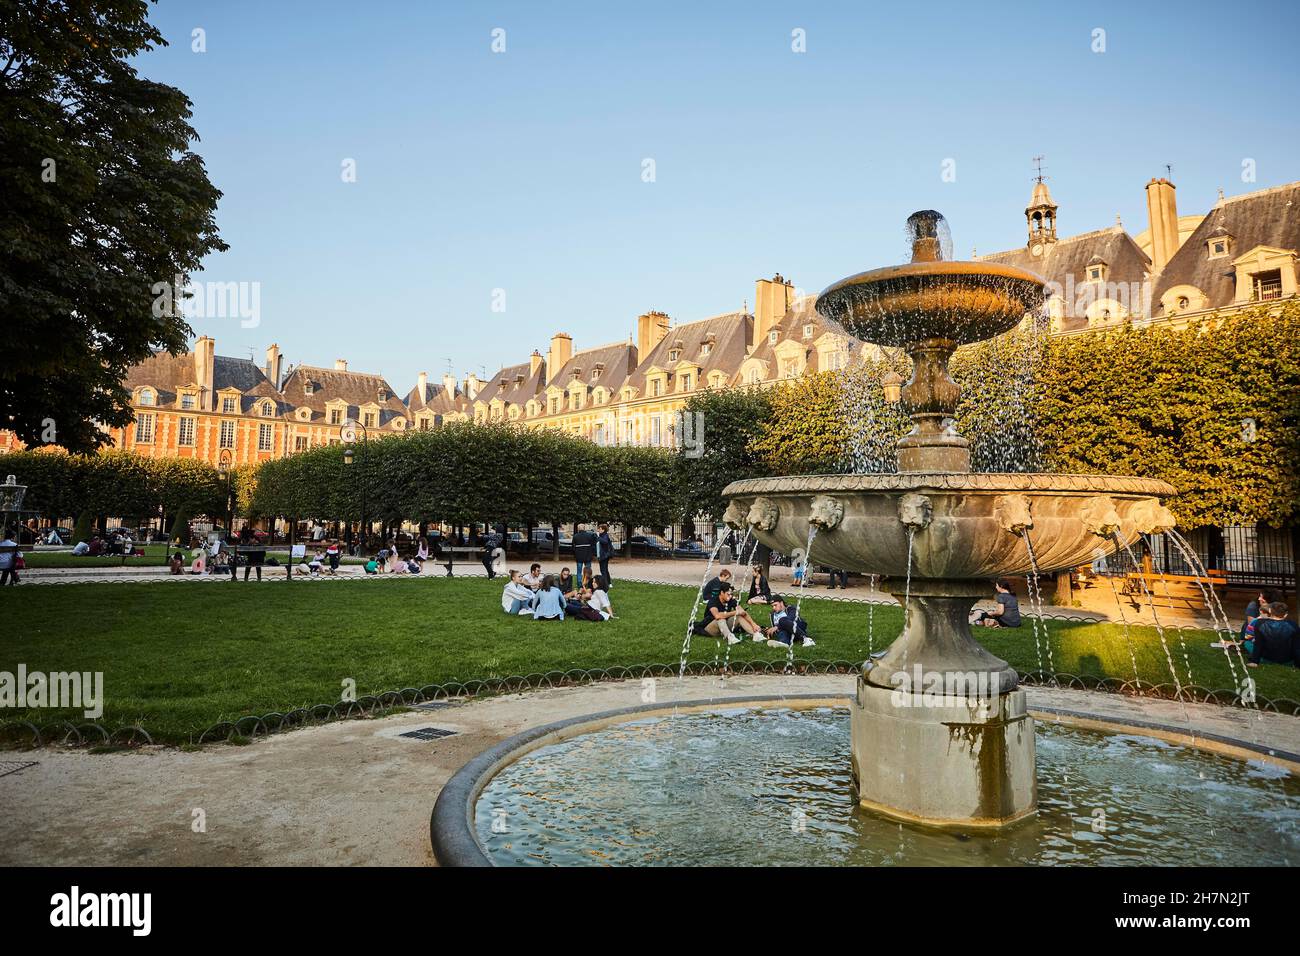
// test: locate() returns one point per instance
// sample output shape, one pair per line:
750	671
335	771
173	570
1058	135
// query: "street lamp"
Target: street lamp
348	433
224	463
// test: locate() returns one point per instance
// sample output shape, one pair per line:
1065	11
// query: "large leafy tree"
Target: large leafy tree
101	198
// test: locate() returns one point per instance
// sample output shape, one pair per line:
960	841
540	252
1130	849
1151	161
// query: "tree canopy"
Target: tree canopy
101	199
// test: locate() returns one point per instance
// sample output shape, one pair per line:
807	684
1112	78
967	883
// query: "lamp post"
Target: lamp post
224	462
348	433
11	502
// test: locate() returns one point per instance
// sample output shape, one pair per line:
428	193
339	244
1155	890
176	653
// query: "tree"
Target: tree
731	421
101	199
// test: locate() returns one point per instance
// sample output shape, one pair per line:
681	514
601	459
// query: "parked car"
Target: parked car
545	540
690	549
648	546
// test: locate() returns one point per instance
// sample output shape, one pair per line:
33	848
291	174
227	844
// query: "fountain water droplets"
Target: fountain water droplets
1155	618
798	601
1036	617
695	608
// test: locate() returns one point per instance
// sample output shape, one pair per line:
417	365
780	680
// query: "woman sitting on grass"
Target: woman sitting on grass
517	597
550	602
599	600
760	592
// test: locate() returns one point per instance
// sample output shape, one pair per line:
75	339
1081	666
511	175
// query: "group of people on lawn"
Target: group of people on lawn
724	613
1267	636
548	597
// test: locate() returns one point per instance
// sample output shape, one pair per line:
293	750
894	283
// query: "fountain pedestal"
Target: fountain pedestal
943	760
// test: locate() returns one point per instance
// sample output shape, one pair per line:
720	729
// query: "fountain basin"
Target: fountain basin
765	781
963	526
961	302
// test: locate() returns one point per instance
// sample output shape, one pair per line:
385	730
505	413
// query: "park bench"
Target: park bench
1174	590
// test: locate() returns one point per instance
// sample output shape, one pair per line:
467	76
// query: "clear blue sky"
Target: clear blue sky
523	170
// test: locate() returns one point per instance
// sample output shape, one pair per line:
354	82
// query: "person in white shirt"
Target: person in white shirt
533	578
599	600
517	597
8	559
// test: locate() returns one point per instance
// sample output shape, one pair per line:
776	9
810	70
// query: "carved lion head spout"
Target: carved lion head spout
1100	516
915	511
1012	513
734	517
763	514
827	512
1151	517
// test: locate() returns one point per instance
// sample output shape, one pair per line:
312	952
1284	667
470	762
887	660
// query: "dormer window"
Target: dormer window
1097	270
808	331
772	337
187	400
1218	247
147	396
674	355
706	348
1266	285
267	409
383	394
304	414
228	405
308	387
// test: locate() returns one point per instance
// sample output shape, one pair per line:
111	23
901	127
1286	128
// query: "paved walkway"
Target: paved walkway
355	792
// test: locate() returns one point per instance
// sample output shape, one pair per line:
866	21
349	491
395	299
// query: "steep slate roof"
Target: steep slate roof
436	398
514	385
1064	262
618	360
166	374
730	333
1269	217
791	328
355	388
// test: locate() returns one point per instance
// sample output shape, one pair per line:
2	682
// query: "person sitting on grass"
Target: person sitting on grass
517	597
722	616
1275	640
176	563
787	627
533	578
760	592
1007	613
549	604
567	584
715	584
599	600
333	554
372	566
1253	610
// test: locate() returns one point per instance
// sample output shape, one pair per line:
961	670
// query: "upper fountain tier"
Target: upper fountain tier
930	298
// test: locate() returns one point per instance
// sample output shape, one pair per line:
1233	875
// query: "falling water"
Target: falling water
690	624
1128	634
737	564
1155	618
1182	642
871	618
798	602
1214	606
907	589
1036	600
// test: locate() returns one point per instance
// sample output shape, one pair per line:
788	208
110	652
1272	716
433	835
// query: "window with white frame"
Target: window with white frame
226	439
143	429
368	419
185	432
656	436
300	443
228	405
265	434
146	396
187	400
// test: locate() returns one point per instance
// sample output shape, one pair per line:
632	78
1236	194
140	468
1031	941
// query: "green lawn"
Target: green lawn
153	555
179	658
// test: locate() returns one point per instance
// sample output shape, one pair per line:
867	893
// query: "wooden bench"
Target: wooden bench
1174	590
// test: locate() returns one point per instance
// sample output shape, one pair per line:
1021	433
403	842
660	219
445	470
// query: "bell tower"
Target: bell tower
1040	214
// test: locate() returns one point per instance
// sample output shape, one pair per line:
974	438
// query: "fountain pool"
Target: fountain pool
750	786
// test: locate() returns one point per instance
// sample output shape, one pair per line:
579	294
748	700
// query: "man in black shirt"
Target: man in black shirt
1007	613
724	614
584	548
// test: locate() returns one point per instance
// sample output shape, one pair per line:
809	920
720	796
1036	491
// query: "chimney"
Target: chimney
205	351
772	298
274	360
471	386
449	385
1162	214
340	365
422	387
651	327
558	354
534	362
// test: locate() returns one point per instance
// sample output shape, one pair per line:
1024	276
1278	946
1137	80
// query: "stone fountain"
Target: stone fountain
940	731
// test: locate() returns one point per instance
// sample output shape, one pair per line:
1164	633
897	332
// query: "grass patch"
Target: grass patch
178	659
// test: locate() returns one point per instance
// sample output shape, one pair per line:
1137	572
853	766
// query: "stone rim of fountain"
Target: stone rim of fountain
453	833
951	481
